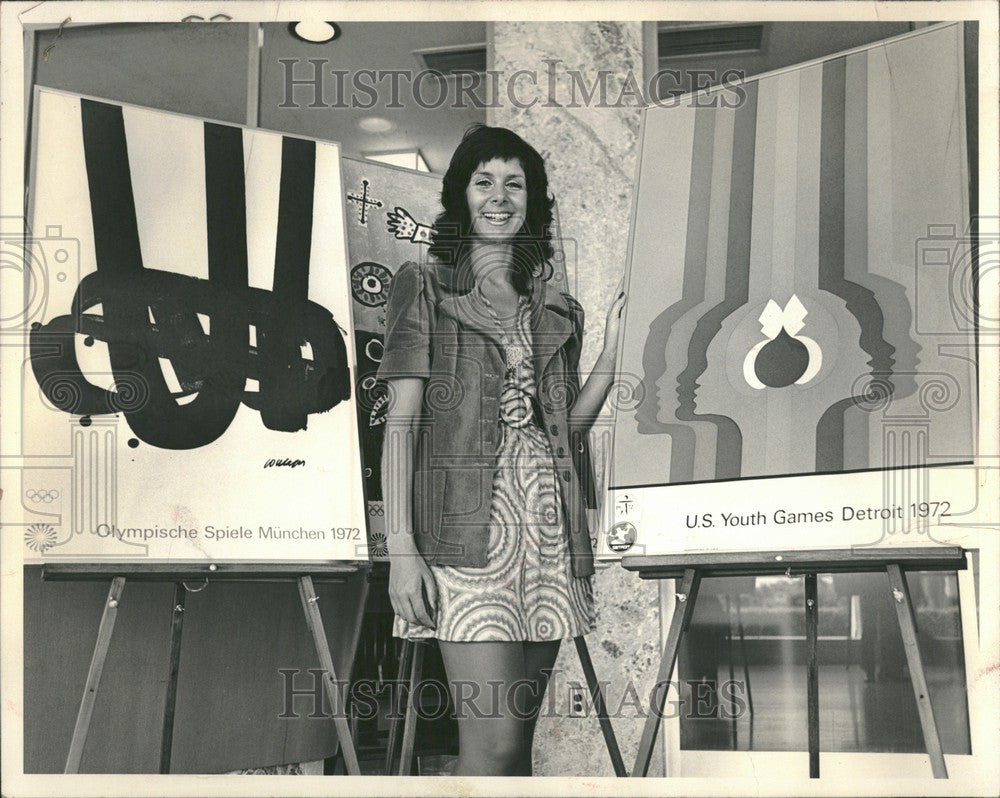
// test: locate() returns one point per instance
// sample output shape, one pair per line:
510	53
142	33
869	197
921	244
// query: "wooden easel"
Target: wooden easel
302	573
411	659
894	562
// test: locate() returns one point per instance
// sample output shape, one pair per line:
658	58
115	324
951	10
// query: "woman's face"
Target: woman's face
498	199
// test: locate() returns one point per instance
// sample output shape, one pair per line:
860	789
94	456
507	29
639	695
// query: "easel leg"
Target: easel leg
334	765
743	652
812	674
94	675
410	724
731	655
908	628
170	701
682	616
602	711
315	621
402	670
746	670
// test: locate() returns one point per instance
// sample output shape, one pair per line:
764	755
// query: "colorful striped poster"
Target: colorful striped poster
811	331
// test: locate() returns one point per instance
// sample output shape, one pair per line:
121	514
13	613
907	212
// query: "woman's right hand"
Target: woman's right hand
612	324
412	590
410	579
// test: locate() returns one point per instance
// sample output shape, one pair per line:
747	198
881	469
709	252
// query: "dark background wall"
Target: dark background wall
203	69
782	44
230	692
183	67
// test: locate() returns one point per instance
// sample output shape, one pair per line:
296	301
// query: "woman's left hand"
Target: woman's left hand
612	325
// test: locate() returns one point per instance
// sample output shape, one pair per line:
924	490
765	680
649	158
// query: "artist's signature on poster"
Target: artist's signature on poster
284	463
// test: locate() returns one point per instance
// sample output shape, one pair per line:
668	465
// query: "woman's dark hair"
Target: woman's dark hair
532	245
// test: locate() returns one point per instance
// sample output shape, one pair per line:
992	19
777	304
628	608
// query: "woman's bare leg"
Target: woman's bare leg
539	658
497	690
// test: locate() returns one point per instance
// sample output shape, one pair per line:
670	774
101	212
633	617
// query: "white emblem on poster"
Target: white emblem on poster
806	367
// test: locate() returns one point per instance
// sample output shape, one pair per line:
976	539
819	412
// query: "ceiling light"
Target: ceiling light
375	124
314	32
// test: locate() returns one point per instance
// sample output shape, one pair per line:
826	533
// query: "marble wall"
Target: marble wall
590	147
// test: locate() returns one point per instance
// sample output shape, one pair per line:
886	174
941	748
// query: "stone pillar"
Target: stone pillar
590	148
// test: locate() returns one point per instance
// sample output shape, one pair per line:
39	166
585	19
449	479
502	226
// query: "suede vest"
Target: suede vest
437	329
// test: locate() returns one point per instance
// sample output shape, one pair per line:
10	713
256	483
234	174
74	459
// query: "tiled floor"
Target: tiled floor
855	714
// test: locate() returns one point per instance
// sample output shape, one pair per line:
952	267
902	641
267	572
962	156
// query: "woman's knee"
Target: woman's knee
500	741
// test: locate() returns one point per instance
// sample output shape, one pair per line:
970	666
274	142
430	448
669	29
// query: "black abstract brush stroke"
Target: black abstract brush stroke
147	314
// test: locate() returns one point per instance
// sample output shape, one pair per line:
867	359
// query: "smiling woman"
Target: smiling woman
497	199
491	557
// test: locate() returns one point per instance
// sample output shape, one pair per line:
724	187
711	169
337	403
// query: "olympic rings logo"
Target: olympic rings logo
47	496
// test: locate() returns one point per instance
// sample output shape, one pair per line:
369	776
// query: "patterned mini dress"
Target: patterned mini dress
526	591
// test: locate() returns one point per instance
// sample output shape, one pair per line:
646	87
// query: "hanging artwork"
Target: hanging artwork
800	336
187	381
390	215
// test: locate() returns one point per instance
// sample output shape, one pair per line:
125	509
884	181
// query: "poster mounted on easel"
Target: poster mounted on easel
187	374
805	371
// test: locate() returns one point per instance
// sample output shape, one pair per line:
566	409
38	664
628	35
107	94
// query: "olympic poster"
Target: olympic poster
187	372
804	375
